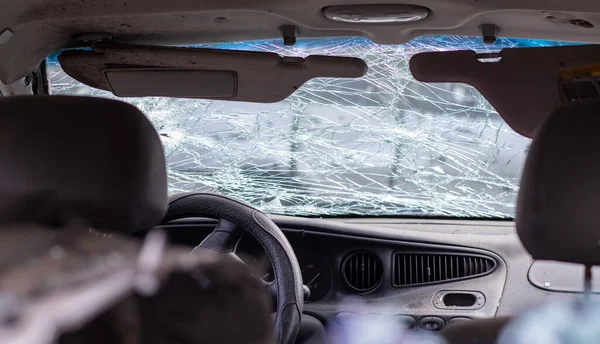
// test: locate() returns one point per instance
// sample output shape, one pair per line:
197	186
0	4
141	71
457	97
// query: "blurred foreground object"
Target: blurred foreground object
373	328
61	280
557	323
78	286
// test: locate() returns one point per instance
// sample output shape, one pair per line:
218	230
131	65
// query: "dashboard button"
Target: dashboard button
431	323
406	321
458	320
345	318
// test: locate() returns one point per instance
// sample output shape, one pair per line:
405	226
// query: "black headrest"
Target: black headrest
78	158
558	210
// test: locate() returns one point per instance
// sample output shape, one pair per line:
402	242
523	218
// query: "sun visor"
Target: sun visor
138	71
524	84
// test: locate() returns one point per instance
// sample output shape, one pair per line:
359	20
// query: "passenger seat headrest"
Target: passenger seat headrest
558	209
95	160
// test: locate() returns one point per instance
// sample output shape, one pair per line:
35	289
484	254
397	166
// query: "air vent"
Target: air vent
362	271
429	268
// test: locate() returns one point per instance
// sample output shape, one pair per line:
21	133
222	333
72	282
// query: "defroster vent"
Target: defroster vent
362	271
429	268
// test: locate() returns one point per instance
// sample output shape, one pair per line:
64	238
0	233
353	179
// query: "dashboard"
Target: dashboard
427	274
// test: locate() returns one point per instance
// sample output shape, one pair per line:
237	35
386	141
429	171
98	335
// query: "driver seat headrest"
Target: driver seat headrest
558	208
94	160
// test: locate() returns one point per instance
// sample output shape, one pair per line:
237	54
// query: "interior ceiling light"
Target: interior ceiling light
376	14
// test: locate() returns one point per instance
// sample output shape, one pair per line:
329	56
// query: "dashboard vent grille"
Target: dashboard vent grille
429	268
362	271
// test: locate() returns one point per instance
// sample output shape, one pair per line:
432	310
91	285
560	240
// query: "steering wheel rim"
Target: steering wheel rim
247	219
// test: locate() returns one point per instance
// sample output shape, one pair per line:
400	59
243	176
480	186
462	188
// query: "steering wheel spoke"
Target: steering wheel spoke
224	239
272	290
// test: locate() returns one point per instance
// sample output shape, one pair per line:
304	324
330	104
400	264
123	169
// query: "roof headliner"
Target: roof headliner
43	26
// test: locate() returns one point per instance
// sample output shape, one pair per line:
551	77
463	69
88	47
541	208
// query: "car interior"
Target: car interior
307	172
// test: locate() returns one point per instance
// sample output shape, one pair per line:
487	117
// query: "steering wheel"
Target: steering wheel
235	218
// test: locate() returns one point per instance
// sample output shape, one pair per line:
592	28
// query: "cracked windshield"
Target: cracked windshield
381	145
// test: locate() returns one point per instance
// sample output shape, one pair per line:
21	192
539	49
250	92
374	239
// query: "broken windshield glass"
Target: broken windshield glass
383	144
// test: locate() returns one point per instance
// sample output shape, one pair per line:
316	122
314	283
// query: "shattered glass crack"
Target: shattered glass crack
383	144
